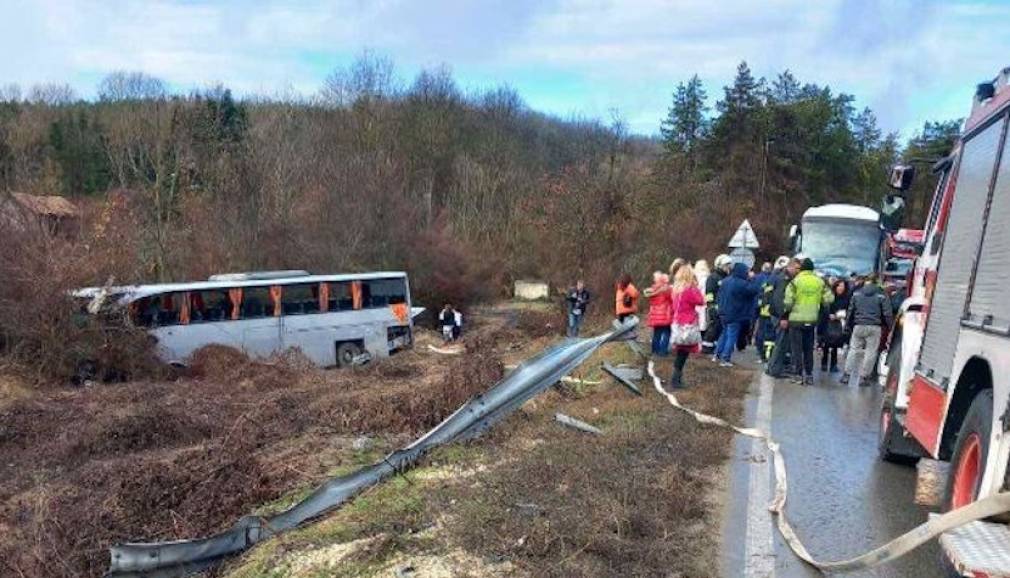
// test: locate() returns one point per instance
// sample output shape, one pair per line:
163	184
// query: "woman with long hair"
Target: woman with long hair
686	298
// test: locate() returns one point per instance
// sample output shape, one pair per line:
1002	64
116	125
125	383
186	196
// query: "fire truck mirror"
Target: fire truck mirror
892	212
902	177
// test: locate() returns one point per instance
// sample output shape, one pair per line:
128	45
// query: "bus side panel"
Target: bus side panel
317	335
926	406
261	337
177	343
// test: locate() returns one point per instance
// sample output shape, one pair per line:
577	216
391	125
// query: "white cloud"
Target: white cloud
897	57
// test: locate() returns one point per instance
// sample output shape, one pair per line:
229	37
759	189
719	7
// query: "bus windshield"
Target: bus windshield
841	247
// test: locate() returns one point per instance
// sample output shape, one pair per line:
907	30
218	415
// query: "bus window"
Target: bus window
214	305
157	310
256	303
384	292
340	296
299	299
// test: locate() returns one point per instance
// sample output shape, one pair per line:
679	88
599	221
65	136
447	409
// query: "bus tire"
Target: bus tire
346	352
967	464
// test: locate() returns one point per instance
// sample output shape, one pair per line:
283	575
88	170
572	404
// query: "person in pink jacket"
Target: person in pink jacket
660	316
685	299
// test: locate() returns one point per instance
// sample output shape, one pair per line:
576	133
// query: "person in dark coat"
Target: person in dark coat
869	313
831	331
713	326
736	301
577	298
779	357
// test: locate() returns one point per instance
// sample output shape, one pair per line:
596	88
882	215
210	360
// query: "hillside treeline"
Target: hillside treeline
466	189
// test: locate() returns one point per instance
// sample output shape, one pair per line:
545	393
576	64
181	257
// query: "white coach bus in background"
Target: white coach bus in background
332	319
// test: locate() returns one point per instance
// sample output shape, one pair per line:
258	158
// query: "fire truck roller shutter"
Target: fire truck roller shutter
989	303
963	234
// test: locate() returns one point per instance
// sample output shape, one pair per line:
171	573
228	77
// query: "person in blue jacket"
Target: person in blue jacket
736	304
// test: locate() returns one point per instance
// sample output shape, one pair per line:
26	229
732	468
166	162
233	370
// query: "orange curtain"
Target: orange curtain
184	309
275	296
235	295
324	297
356	294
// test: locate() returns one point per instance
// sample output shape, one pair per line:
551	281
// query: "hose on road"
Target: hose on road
896	548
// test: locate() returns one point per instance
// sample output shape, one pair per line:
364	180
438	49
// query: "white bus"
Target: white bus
840	239
332	319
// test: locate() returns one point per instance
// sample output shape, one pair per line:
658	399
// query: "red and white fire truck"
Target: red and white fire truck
947	373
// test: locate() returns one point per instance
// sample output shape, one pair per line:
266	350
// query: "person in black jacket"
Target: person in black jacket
447	322
868	314
780	351
713	326
578	300
831	331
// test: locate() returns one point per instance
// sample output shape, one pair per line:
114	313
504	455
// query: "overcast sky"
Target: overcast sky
909	60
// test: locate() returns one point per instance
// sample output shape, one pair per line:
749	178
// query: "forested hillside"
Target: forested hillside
466	189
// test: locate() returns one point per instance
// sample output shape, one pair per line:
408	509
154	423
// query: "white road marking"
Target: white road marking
759	550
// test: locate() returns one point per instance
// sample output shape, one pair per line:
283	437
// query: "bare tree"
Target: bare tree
52	94
371	77
10	93
122	85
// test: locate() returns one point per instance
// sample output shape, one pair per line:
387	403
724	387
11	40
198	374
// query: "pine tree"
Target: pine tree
685	124
865	131
786	89
743	95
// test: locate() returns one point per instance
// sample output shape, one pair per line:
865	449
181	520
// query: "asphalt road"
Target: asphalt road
843	501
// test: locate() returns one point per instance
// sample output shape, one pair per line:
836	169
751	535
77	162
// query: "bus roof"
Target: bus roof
842	211
133	292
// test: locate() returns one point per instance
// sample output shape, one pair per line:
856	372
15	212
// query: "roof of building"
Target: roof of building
48	205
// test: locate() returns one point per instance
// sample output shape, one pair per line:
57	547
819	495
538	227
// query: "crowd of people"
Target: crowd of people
785	310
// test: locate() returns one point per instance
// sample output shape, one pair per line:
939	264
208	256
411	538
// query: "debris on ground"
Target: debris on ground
576	424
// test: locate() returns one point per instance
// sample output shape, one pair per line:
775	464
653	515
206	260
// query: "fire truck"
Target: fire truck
946	375
898	253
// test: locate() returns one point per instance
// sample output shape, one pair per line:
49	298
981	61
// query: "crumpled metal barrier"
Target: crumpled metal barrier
179	558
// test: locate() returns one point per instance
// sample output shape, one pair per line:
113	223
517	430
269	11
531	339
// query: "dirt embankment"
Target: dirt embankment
533	498
85	468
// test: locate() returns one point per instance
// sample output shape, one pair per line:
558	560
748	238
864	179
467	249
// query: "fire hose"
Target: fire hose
896	548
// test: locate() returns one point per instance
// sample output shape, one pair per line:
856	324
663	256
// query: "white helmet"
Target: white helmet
722	260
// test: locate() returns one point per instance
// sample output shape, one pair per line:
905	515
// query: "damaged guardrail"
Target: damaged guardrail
179	558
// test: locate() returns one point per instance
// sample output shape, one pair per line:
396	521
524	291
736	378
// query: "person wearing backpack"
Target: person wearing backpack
868	314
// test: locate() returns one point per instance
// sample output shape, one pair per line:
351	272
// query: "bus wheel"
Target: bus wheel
346	352
970	451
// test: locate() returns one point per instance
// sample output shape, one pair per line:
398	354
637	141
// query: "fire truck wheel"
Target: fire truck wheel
892	443
968	461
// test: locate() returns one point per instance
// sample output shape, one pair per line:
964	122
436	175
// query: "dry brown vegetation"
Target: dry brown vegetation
535	499
159	460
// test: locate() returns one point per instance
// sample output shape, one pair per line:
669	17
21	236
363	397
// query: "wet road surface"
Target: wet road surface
843	501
